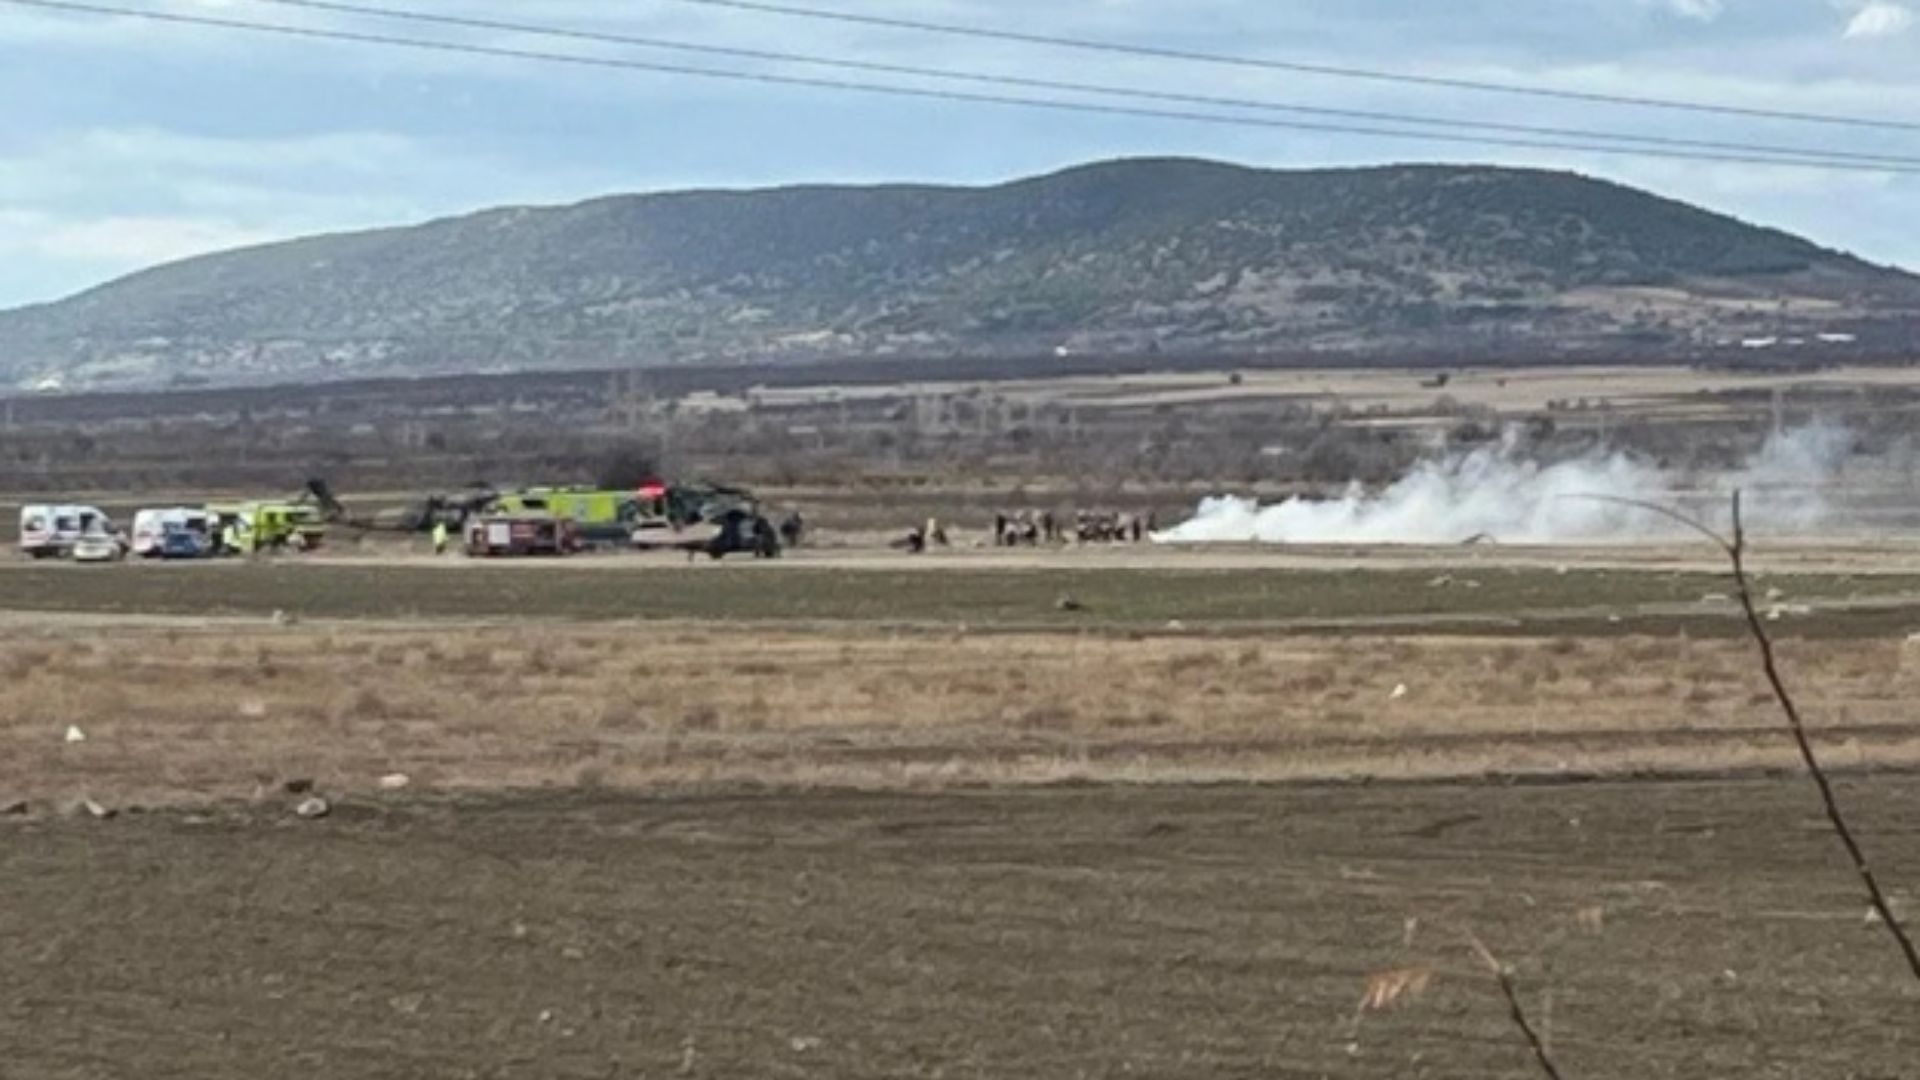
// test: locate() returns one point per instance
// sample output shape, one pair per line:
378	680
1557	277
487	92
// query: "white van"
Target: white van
150	527
52	530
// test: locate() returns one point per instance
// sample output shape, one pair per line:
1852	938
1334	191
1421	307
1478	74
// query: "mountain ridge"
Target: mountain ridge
1134	255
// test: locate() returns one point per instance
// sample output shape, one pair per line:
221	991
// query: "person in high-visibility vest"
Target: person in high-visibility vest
439	538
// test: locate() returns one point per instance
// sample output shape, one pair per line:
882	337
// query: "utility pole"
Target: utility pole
629	398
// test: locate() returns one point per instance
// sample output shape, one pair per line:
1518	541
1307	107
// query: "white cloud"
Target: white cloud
155	174
1698	10
95	203
357	152
1881	18
140	240
1704	10
111	244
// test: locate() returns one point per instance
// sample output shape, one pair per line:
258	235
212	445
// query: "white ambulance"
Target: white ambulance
150	529
50	531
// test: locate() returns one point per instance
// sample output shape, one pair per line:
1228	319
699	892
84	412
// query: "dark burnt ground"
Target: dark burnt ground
1047	933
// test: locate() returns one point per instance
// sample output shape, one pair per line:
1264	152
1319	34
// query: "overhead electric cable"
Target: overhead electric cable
1299	67
925	93
1026	83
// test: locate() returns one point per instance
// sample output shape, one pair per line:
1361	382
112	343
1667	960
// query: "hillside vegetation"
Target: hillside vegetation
1126	256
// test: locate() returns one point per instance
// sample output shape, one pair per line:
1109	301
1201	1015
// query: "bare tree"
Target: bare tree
1735	547
1503	975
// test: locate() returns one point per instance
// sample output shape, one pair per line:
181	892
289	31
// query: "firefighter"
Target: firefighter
439	537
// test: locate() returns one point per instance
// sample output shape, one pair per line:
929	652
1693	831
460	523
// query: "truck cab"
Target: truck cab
247	528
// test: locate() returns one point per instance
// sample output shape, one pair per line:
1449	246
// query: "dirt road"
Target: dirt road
1680	931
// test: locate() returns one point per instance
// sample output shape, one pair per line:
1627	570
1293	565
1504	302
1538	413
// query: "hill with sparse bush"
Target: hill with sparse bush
1122	257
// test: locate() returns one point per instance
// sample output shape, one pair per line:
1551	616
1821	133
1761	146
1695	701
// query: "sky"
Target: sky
125	143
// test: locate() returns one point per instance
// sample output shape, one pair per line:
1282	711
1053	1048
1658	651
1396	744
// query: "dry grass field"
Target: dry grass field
233	709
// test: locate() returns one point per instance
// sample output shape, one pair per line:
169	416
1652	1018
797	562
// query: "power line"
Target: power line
1332	70
1022	82
924	93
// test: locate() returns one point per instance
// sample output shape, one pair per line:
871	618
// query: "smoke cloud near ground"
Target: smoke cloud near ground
1498	492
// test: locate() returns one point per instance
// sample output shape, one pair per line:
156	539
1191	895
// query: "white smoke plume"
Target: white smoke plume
1498	493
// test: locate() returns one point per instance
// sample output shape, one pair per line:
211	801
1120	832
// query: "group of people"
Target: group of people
1036	528
1028	529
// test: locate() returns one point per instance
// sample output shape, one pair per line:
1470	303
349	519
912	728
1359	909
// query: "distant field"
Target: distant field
1508	391
1475	599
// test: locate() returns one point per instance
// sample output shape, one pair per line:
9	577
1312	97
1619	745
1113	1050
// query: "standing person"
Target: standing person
439	538
1029	530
